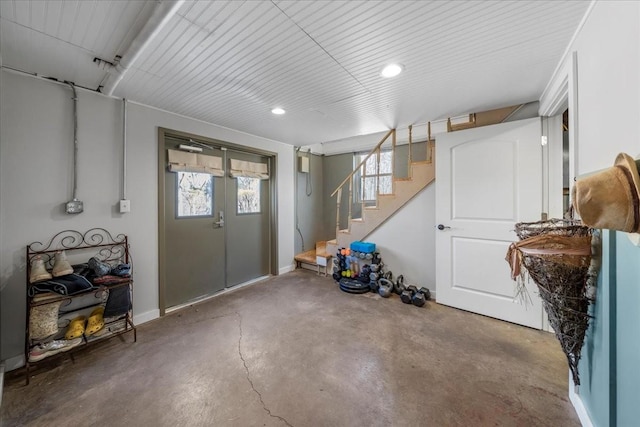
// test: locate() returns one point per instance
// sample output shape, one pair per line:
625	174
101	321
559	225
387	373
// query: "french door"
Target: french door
215	230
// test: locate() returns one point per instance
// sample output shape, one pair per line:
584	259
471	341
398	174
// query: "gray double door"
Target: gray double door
222	242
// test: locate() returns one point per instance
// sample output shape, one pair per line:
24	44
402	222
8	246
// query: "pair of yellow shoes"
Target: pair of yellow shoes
77	326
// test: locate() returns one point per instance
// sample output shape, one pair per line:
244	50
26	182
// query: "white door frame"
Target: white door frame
562	93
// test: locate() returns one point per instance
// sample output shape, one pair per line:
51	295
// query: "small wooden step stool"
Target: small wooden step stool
318	258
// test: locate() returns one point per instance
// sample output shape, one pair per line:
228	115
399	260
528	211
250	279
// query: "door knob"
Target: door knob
442	227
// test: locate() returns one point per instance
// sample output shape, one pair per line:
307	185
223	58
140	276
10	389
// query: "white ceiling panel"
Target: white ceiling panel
230	62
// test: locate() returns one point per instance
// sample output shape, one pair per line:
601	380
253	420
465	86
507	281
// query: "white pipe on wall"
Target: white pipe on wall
124	149
158	19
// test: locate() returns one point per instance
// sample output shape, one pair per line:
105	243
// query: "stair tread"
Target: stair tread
422	162
309	257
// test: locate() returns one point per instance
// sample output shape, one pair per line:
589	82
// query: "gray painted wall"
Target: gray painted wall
310	206
36	136
335	169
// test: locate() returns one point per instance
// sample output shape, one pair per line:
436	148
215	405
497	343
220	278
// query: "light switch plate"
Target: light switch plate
125	206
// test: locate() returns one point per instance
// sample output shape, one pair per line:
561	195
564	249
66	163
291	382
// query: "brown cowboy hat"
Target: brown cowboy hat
611	198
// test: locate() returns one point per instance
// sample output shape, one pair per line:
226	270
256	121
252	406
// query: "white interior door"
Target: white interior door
487	180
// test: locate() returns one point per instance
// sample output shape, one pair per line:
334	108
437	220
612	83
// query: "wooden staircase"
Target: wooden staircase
420	174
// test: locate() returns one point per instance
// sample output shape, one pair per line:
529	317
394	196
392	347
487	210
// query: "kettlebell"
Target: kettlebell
399	286
385	287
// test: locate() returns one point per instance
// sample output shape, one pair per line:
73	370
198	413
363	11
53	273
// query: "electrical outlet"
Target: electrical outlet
125	206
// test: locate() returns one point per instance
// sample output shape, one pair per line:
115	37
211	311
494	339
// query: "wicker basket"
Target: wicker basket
557	256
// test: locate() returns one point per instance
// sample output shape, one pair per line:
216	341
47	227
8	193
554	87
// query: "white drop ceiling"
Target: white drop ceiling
231	62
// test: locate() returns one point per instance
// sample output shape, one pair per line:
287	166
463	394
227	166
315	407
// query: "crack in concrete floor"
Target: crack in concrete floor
246	368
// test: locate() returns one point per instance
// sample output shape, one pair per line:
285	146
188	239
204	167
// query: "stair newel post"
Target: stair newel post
350	204
429	153
377	175
361	188
339	197
410	156
393	162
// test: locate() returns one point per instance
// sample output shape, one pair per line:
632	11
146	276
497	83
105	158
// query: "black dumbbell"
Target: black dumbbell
364	277
375	259
337	277
374	286
420	297
385	288
408	293
376	267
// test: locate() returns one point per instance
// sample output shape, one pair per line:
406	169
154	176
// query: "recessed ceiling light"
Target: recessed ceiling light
391	70
278	111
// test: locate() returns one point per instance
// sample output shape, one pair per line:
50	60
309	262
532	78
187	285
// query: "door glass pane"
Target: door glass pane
195	194
248	195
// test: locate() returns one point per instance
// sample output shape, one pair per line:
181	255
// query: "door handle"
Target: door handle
220	223
442	227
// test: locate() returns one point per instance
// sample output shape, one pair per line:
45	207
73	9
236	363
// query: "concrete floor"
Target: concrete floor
296	351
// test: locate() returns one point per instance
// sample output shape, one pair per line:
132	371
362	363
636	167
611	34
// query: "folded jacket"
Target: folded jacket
70	284
84	271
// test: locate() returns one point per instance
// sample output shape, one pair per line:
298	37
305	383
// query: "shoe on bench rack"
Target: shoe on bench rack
40	351
61	267
38	272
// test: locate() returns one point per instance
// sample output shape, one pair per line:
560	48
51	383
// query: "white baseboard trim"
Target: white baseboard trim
578	405
145	317
287	269
14	363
